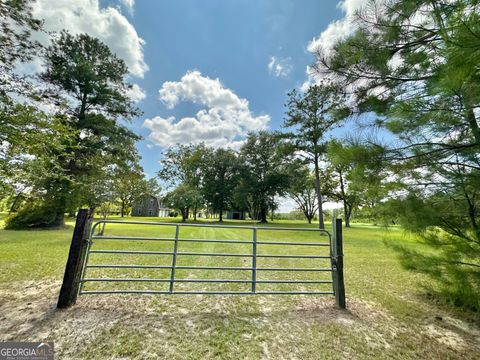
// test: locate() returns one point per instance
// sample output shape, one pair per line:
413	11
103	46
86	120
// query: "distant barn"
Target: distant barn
235	215
149	205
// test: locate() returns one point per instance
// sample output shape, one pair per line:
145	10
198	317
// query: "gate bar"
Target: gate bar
212	226
141	252
207	292
209	281
207	240
113	266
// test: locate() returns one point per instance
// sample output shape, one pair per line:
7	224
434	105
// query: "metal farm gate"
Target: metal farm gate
88	241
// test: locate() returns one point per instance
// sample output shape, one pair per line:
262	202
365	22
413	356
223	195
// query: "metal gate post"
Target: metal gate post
337	263
76	259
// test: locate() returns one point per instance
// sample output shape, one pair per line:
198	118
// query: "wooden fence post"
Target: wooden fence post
337	263
76	259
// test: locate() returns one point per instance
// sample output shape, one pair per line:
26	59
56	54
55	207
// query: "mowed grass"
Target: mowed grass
389	315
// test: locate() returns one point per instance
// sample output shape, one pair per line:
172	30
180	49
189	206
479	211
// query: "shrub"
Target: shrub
36	216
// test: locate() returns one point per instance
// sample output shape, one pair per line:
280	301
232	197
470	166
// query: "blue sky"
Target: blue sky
205	70
233	41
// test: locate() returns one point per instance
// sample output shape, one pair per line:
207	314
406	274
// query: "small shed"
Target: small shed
236	215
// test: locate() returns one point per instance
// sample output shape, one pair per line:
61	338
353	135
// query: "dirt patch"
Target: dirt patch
454	333
167	325
28	312
24	305
325	310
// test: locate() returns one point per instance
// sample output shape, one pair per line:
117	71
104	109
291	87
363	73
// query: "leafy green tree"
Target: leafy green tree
302	190
182	165
16	46
88	81
129	186
219	180
358	176
263	175
21	126
415	65
183	198
350	178
26	133
17	23
313	115
153	187
244	198
32	164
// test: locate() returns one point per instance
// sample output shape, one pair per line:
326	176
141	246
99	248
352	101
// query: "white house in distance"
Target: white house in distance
149	205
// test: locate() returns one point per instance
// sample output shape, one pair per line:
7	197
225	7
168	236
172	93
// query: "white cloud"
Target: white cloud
338	29
280	67
335	31
307	83
107	24
224	122
136	93
129	4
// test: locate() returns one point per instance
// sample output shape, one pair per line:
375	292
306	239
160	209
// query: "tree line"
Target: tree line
265	170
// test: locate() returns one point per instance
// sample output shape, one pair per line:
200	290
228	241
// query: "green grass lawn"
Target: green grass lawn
389	314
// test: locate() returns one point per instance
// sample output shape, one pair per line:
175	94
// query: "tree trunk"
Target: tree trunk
195	213
122	211
472	121
318	190
348	214
59	219
263	215
221	216
60	211
17	198
347	208
272	214
309	219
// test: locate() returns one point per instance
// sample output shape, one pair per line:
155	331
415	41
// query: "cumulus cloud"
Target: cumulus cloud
129	4
107	24
280	67
136	93
338	29
335	31
224	122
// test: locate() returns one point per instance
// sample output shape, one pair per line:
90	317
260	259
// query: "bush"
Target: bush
36	216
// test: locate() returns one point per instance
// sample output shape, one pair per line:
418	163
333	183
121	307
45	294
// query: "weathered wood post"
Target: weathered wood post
337	263
76	259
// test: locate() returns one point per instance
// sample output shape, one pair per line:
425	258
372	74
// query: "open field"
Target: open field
389	314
